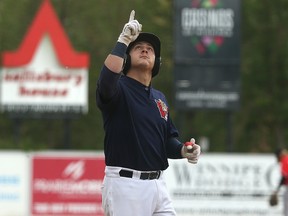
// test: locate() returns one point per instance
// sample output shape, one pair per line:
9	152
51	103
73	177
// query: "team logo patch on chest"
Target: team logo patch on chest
163	109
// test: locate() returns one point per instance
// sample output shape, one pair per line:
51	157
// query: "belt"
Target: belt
143	175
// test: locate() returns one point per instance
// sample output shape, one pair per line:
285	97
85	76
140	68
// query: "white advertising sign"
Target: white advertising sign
47	87
224	185
14	184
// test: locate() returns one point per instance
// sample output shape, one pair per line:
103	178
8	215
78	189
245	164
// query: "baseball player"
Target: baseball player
282	157
139	133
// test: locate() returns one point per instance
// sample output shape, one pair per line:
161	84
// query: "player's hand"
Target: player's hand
191	151
131	30
273	199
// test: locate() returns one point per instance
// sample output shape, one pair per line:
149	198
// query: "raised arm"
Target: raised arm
110	72
130	32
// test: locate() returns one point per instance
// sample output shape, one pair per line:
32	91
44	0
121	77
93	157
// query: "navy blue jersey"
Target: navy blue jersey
136	122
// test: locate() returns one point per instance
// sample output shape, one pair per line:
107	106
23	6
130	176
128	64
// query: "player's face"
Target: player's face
143	54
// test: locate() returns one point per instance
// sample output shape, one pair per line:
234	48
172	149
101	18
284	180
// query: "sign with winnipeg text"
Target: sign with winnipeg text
45	75
225	185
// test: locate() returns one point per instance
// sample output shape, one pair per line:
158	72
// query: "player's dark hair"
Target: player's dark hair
156	44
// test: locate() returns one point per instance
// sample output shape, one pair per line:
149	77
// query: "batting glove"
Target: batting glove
191	151
130	31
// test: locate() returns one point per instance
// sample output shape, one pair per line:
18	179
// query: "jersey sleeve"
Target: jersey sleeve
107	88
173	148
173	145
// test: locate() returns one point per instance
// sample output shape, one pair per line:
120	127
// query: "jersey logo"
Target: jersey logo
163	109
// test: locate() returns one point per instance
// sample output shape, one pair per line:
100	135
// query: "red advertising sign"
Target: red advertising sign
67	185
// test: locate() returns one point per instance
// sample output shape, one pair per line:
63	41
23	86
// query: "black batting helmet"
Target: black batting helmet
156	44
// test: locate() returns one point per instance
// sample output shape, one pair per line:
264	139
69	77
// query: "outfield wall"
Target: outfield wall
69	183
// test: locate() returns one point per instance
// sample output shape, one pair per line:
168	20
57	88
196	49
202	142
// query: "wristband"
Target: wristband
119	50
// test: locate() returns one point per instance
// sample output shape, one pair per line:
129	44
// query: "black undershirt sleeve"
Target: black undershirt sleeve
173	148
107	82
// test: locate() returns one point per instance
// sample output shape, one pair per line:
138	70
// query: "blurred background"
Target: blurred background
93	26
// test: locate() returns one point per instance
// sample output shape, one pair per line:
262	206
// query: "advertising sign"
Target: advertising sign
207	29
207	87
45	75
67	185
14	184
207	54
219	185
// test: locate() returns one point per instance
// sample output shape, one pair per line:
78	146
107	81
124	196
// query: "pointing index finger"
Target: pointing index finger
132	15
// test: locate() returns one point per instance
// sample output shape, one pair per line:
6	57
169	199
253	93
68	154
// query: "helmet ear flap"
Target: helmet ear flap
126	64
156	67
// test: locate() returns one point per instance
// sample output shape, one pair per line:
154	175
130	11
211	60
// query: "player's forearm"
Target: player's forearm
114	61
110	72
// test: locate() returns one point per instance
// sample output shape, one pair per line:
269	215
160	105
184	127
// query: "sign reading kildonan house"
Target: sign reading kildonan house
45	75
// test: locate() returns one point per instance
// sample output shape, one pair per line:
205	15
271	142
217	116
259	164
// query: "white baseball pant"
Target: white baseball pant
124	196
